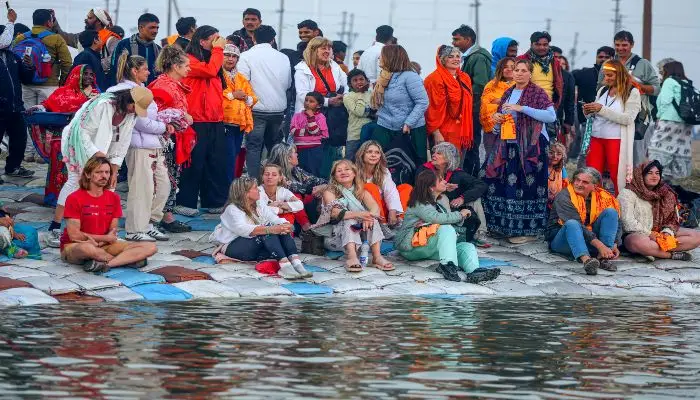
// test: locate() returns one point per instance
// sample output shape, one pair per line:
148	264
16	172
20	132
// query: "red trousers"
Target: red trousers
604	154
299	216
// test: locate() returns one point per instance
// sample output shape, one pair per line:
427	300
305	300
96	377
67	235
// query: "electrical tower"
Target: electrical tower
618	17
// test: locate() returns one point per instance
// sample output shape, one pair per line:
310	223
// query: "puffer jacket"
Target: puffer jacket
147	130
205	102
239	112
12	74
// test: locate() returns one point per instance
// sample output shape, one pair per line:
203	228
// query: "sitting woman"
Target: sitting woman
354	214
372	167
280	199
250	231
18	240
650	221
558	178
428	233
584	222
463	190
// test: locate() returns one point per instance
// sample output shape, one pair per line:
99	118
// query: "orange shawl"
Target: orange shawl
450	109
492	91
600	200
105	34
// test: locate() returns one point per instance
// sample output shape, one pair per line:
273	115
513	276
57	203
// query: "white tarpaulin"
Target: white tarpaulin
88	281
120	293
207	289
25	297
14	272
52	285
249	287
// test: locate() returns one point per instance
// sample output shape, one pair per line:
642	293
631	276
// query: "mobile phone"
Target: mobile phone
28	51
581	102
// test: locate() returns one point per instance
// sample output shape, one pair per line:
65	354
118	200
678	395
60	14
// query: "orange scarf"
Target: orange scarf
556	182
600	200
105	34
450	107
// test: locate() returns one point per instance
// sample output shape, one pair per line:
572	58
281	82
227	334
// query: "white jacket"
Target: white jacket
305	82
270	75
235	223
369	61
283	194
636	214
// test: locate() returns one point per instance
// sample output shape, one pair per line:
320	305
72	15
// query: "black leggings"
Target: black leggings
262	247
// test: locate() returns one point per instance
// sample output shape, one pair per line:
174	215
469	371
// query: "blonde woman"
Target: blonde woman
251	231
354	213
319	73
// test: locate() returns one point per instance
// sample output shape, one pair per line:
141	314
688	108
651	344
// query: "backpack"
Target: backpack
40	55
400	158
689	106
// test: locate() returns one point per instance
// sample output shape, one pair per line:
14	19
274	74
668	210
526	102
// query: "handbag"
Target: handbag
312	244
336	117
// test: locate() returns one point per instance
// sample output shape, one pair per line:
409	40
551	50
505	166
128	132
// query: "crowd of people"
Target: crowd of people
284	142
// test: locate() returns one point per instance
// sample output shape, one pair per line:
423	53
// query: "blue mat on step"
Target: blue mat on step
334	255
203	225
182	218
308	289
386	248
39	226
314	268
133	277
161	292
492	263
205	260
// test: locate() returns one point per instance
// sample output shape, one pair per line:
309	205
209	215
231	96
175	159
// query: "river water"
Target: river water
355	348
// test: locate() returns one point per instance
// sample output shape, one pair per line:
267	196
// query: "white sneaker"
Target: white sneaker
186	211
288	272
303	272
54	239
157	234
139	237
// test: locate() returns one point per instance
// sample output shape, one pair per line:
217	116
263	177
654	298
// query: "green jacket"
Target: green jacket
422	214
670	90
60	56
478	66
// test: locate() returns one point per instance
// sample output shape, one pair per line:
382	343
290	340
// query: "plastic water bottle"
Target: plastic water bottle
364	254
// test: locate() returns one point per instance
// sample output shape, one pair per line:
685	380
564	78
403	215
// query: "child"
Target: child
309	129
17	240
357	102
283	202
557	170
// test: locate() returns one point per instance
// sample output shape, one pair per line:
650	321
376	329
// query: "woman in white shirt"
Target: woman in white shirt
251	231
281	200
612	126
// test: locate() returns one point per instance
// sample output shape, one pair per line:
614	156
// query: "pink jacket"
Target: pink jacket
308	131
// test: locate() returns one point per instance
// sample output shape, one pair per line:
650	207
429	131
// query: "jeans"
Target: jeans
443	247
13	125
570	242
262	247
266	132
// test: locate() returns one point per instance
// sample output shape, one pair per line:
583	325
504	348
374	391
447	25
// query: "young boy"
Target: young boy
90	40
357	102
309	129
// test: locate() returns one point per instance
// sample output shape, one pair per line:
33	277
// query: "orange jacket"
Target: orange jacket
237	112
205	102
492	91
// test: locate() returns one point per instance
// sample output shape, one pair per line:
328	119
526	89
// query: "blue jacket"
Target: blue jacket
149	52
92	59
405	102
13	73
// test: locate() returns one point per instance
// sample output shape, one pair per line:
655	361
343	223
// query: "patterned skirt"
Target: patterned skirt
515	203
671	145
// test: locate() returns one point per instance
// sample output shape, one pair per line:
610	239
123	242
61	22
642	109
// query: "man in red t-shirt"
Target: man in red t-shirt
92	216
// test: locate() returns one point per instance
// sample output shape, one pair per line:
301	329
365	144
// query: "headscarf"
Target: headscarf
103	16
499	49
456	115
232	49
662	197
70	97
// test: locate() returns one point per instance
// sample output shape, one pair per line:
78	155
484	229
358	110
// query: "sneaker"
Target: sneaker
449	272
482	275
591	266
20	172
215	210
608	265
481	244
139	237
303	272
681	256
186	211
54	239
95	266
288	272
156	234
175	227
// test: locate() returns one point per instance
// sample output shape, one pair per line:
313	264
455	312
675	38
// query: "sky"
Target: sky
421	26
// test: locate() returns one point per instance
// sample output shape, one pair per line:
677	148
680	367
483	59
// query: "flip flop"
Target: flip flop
386	267
353	268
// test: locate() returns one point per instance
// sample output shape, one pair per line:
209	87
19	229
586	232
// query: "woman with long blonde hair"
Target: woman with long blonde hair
319	73
354	214
611	124
251	231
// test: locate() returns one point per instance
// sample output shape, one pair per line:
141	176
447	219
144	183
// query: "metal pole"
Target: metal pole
170	16
646	35
116	13
280	27
476	4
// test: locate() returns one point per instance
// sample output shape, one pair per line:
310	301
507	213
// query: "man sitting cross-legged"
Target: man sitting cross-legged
92	216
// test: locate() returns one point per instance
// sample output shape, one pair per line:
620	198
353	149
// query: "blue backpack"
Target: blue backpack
40	55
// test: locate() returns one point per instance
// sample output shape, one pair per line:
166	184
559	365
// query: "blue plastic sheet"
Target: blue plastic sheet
205	260
161	292
132	277
308	289
203	225
492	263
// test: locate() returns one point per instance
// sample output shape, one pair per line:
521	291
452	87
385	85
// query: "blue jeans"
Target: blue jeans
569	240
261	247
30	243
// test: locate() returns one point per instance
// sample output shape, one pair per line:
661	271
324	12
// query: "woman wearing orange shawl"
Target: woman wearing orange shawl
449	115
491	99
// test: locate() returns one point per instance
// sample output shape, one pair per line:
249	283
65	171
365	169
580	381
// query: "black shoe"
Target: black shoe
608	265
95	266
449	271
482	275
591	266
20	172
175	227
681	256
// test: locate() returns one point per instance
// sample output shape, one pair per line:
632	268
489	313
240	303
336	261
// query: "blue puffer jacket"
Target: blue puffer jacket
12	74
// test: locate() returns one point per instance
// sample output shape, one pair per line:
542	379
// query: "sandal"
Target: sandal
385	267
353	267
591	266
608	265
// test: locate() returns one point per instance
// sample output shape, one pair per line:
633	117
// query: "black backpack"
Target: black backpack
689	106
400	160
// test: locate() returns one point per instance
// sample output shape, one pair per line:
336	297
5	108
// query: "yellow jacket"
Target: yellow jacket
239	112
492	91
60	56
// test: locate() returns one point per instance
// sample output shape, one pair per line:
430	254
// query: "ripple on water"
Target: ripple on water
62	361
445	375
313	360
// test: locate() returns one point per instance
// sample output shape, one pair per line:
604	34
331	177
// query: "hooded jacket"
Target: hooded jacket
205	102
147	130
499	50
13	73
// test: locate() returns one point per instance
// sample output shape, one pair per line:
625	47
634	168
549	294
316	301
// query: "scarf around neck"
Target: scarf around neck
74	154
662	198
379	87
600	200
353	203
545	62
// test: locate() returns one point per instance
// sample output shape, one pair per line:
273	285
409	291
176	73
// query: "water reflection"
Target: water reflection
325	348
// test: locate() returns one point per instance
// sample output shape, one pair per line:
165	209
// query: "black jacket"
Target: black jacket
565	113
469	187
586	80
92	59
13	73
182	42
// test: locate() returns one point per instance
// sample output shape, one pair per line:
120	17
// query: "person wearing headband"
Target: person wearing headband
610	125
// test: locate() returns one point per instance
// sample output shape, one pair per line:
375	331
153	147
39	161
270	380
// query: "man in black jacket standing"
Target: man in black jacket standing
565	112
14	72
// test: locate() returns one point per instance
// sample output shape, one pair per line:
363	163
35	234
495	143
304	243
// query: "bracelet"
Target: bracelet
267	230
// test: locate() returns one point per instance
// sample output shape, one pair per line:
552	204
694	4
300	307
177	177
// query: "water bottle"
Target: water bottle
364	254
